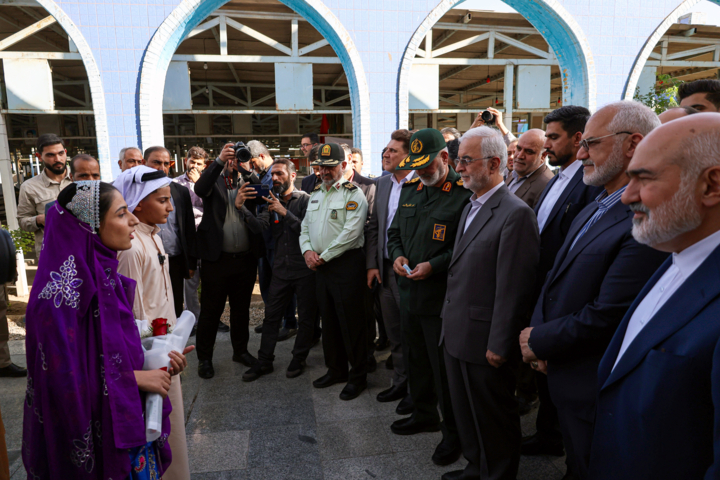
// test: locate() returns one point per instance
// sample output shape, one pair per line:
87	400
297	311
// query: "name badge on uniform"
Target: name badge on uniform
314	201
439	232
333	215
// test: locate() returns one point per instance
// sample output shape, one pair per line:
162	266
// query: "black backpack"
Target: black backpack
8	265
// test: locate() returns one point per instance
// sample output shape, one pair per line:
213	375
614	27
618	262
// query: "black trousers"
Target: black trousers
488	420
177	280
343	315
231	278
427	377
547	424
280	295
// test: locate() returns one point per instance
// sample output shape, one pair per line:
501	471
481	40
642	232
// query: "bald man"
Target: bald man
659	380
677	112
530	173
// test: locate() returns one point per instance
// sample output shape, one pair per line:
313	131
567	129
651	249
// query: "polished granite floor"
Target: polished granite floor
278	428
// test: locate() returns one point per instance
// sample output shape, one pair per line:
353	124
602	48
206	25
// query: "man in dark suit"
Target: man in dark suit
563	198
308	143
379	264
230	243
596	275
530	173
178	234
495	257
659	403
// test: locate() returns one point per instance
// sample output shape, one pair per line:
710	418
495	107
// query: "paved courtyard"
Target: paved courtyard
278	428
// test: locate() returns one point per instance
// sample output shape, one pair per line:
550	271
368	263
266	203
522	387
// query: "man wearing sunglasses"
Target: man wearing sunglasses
597	274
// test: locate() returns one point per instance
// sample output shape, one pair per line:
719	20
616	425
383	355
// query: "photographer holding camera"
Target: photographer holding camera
493	118
229	243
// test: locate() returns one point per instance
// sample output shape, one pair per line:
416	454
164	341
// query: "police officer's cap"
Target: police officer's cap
329	155
425	145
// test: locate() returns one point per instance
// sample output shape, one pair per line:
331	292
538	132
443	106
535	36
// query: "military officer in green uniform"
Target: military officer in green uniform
421	238
331	239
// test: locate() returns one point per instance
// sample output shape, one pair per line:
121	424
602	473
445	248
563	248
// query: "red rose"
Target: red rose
160	326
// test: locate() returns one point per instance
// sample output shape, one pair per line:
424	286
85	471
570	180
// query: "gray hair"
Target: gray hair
124	150
697	153
452	131
257	148
492	144
632	116
348	151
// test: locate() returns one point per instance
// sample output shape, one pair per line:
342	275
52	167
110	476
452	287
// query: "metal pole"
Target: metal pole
32	167
508	100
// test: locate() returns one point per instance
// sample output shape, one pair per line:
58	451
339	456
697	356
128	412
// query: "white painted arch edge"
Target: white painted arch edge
95	81
650	43
189	13
589	81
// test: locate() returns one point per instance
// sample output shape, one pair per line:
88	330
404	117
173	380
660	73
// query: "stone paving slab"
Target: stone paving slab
284	429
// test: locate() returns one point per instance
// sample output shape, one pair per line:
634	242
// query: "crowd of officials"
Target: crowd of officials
575	268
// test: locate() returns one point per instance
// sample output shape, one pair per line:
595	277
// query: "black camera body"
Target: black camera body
242	153
488	118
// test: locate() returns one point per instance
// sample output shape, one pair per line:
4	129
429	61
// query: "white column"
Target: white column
508	95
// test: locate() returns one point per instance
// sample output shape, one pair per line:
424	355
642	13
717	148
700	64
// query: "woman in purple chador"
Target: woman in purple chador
85	393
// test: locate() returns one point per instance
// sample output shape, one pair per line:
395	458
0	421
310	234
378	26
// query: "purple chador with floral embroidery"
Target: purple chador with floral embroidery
83	409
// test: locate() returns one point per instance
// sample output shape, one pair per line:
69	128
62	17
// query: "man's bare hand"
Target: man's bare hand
312	260
244	194
421	271
40	220
541	366
274	205
227	153
528	355
373	274
398	266
193	174
191	273
494	359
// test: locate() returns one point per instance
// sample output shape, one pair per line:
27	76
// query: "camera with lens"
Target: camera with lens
488	118
242	153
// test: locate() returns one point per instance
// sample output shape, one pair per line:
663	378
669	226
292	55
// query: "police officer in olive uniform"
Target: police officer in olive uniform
331	240
421	237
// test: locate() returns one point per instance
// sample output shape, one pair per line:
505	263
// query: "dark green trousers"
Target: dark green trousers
427	378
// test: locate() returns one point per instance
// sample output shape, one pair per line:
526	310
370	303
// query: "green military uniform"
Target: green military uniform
424	230
333	228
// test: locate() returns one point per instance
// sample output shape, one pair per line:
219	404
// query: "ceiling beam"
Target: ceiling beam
26	32
455	71
17	24
255	59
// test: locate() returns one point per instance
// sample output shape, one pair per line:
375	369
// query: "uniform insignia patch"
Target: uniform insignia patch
350	186
414	180
351	206
420	185
404	162
317	187
326	150
409	205
333	215
460	183
439	232
416	146
447	187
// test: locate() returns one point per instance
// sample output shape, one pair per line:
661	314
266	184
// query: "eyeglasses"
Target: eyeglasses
306	144
586	144
465	161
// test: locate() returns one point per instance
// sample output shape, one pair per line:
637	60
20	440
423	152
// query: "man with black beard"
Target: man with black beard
290	274
44	188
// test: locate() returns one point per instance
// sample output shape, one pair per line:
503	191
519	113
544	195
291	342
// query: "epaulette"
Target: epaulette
410	182
350	186
317	187
459	183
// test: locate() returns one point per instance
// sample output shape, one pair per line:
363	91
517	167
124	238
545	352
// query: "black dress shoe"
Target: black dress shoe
535	445
286	333
446	453
257	371
205	369
246	359
296	368
408	426
405	407
371	364
258	328
454	475
393	393
352	391
222	328
389	363
381	344
14	371
328	380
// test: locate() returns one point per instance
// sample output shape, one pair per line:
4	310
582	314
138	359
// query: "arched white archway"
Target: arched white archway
647	49
557	27
190	13
95	81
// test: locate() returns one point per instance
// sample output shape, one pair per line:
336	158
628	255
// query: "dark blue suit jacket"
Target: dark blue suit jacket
583	300
569	204
658	411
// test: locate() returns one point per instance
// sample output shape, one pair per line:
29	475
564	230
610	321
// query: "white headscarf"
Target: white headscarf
138	182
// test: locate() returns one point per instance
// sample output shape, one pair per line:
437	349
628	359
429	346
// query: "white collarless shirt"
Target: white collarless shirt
684	264
393	202
558	187
477	203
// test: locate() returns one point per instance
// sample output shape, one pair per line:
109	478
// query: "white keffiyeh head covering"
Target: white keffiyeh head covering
138	182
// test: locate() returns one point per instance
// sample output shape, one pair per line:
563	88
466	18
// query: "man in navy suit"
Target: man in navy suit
563	198
596	275
658	411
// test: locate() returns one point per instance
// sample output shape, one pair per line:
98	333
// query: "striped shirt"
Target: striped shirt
605	202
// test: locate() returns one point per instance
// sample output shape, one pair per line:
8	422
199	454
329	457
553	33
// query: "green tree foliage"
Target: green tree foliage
23	240
662	96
